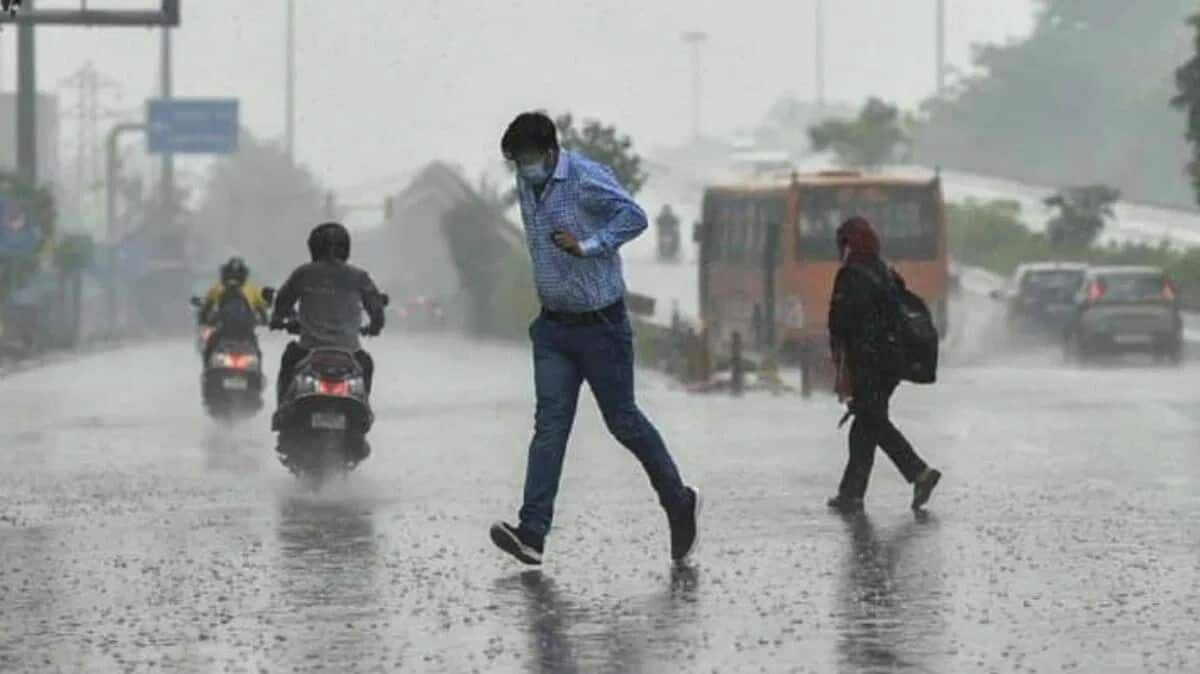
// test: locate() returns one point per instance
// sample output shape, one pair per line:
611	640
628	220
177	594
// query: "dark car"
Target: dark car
1040	297
1124	309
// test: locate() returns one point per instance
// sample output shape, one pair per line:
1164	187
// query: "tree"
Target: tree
605	145
1187	83
39	203
867	141
1082	214
494	271
1083	99
786	124
260	205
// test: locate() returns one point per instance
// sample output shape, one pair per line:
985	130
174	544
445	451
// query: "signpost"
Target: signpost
192	126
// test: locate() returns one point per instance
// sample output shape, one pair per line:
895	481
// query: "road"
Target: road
135	535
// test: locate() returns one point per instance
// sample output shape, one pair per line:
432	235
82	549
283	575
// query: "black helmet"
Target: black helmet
329	240
235	270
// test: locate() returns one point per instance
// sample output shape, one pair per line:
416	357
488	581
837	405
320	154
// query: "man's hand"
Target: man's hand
567	243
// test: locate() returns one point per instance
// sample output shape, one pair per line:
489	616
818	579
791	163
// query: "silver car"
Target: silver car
1123	309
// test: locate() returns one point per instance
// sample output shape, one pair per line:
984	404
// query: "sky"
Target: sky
384	86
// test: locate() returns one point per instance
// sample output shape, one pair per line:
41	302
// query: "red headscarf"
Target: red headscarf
857	240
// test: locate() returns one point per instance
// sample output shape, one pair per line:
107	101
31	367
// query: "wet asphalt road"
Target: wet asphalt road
135	535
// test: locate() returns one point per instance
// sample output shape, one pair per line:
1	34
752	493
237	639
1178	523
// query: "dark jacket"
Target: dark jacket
858	310
858	313
332	297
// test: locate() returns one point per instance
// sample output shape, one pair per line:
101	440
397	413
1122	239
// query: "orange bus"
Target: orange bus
768	257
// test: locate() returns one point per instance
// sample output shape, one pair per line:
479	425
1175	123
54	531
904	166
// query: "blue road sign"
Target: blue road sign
19	230
192	125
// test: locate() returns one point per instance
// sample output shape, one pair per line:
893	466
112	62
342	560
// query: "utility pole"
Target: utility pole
290	103
87	110
26	100
941	47
694	39
111	169
167	185
819	56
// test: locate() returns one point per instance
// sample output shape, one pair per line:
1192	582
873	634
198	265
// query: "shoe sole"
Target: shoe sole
918	501
695	541
508	542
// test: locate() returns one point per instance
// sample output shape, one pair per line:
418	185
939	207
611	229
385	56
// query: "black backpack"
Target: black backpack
911	340
234	313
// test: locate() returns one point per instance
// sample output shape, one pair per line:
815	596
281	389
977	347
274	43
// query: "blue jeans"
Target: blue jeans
565	356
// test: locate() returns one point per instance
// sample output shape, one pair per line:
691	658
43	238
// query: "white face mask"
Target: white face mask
536	173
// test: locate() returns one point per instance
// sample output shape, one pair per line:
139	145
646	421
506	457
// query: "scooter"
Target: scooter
232	379
325	415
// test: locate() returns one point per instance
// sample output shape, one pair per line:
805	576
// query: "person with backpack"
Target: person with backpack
868	341
233	306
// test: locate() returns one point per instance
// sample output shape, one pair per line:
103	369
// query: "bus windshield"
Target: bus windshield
904	216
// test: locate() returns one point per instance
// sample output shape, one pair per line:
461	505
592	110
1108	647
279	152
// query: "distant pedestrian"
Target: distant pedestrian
576	217
737	366
858	328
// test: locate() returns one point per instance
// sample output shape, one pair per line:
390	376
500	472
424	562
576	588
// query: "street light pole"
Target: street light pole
167	185
941	47
26	100
290	104
694	39
819	55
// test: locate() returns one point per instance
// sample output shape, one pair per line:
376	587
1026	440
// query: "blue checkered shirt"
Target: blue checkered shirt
584	198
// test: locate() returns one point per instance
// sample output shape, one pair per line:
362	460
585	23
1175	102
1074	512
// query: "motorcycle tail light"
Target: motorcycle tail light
334	387
234	361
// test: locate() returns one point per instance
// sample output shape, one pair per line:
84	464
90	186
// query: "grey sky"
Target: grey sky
385	85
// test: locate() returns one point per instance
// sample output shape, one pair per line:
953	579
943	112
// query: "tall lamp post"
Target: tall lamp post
694	39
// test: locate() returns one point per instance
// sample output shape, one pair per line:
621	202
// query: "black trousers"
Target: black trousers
294	353
872	427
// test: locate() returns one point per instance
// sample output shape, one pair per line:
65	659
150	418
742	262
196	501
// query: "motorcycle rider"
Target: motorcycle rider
233	306
332	295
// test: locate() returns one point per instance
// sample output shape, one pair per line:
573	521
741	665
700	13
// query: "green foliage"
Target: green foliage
992	235
868	141
786	124
39	201
1187	83
495	273
1083	99
606	145
1082	214
260	205
73	253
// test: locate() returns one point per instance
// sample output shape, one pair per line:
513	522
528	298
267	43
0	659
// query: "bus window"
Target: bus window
904	217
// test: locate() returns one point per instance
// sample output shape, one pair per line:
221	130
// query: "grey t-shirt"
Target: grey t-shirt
332	297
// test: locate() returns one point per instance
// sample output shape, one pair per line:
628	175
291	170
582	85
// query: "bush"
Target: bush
992	235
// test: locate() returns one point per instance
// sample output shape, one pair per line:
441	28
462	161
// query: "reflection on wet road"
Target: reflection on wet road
135	535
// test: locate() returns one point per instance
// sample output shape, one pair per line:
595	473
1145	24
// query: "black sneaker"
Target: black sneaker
519	543
845	504
684	532
923	487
